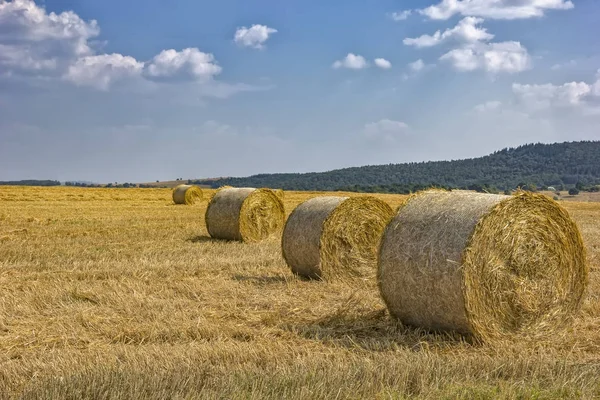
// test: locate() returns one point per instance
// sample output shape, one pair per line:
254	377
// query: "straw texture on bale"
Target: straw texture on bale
187	194
245	214
488	266
335	237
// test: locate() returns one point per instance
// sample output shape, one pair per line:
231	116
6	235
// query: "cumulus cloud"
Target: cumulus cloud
36	43
555	100
383	63
424	40
509	57
539	97
102	70
467	30
188	63
23	20
24	59
255	36
400	16
33	40
475	51
351	61
386	130
494	9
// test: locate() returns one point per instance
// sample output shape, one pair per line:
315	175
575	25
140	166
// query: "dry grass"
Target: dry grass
581	197
118	294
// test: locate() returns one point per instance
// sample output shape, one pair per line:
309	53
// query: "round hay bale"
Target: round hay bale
280	193
335	237
487	266
245	214
187	194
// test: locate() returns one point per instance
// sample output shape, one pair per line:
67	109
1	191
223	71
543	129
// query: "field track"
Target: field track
118	293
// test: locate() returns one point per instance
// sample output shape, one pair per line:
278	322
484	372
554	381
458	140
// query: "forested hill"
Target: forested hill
560	165
31	182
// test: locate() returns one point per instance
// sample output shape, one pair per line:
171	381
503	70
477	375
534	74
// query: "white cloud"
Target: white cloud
539	97
23	20
383	63
254	37
467	30
554	101
386	130
188	63
33	40
24	59
488	106
416	66
351	61
400	16
509	57
495	9
475	53
36	43
102	70
424	40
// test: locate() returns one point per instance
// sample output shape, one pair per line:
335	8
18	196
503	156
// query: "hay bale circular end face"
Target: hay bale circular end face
245	214
335	237
488	266
187	194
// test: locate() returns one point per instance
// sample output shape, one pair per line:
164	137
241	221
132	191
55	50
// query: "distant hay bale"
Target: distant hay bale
487	266
187	194
245	214
335	237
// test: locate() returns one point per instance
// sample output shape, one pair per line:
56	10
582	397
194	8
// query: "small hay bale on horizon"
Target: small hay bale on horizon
187	194
244	214
332	237
491	267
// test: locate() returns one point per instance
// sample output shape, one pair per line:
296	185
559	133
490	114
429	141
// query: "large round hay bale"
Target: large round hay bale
187	194
335	237
488	266
245	214
280	193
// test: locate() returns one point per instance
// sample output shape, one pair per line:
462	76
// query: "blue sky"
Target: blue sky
143	90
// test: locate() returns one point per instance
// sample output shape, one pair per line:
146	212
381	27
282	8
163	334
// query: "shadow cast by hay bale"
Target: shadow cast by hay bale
260	280
374	330
206	239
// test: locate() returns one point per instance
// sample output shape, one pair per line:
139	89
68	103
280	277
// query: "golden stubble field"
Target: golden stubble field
118	294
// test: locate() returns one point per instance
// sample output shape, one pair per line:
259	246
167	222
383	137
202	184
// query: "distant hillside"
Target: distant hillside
562	165
31	182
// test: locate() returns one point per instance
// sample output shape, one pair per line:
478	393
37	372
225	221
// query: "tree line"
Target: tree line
532	166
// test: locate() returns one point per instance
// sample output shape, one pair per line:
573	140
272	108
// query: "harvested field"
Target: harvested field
118	293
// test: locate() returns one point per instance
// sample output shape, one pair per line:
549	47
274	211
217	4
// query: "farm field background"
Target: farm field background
118	293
